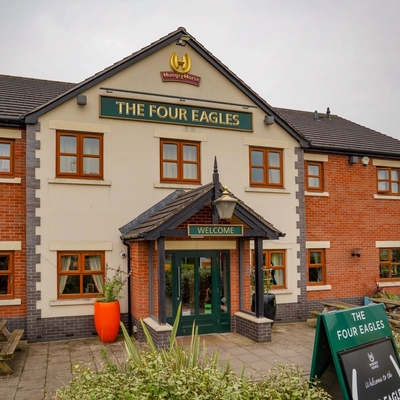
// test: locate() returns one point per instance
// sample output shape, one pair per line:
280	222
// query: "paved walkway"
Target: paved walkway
42	368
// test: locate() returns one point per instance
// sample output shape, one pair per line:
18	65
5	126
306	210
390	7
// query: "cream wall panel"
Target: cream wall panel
10	133
90	213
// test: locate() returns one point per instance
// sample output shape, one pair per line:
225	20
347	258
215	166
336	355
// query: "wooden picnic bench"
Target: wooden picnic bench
392	308
9	347
331	306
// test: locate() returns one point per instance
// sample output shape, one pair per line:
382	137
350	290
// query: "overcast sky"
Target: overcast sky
299	54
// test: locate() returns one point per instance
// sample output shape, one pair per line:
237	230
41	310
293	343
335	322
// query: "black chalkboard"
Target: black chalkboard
372	371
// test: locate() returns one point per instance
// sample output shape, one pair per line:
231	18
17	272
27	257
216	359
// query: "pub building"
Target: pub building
135	168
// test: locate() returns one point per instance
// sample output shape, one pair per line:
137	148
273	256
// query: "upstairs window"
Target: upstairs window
6	157
80	274
314	176
389	264
6	275
388	180
266	167
180	162
79	155
316	267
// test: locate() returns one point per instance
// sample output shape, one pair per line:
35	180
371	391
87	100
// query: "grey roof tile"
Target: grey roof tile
19	95
336	134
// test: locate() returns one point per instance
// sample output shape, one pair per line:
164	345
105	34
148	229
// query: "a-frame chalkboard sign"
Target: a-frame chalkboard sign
360	343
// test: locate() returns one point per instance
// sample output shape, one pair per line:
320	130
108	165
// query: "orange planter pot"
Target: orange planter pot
107	317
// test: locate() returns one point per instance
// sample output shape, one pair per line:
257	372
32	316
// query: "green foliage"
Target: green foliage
380	292
175	373
112	287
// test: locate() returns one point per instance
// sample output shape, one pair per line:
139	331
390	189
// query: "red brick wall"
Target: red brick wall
13	228
350	217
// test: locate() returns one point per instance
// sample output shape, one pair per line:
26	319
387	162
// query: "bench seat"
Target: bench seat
7	352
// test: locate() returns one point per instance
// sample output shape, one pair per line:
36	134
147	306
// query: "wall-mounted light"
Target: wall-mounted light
225	205
365	161
268	120
353	160
356	252
81	100
182	41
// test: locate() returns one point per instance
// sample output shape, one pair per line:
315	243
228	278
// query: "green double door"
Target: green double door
200	281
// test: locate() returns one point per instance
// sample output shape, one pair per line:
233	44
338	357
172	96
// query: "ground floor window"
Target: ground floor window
389	264
274	265
316	267
6	275
80	274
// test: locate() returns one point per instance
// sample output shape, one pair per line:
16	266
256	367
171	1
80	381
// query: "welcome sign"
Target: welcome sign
360	343
112	107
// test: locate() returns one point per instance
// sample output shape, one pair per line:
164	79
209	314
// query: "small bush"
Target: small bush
179	374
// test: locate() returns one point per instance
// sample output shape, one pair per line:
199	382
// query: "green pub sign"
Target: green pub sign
139	110
360	344
215	230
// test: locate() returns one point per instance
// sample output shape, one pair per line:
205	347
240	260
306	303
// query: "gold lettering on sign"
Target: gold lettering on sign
180	66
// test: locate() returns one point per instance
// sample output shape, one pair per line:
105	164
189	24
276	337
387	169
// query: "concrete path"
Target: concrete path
42	368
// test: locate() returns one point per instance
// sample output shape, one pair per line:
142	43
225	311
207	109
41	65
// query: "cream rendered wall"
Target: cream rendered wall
87	214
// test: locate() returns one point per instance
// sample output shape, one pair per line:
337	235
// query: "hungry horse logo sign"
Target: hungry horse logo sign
180	67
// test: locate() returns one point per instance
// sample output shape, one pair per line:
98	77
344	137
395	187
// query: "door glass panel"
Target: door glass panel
187	285
205	286
168	285
223	283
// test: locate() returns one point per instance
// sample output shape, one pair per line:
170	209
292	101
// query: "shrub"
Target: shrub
177	373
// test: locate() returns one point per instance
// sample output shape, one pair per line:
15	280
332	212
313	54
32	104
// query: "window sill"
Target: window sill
318	287
385	197
71	302
92	182
11	180
175	186
10	302
317	194
388	284
266	190
278	292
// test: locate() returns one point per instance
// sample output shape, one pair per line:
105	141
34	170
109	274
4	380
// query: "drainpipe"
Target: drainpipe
129	288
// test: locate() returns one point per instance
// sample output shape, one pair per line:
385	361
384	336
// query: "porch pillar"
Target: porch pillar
259	274
162	310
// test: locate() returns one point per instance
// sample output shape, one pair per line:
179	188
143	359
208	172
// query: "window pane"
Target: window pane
5	166
276	259
4	262
313	182
383	174
170	170
396	271
205	287
313	170
71	285
189	153
5	284
91	165
384	271
257	158
315	274
274	176
277	277
92	263
395	188
274	159
91	146
383	186
170	152
395	255
315	257
384	255
257	175
89	283
168	284
68	144
395	175
190	171
67	164
69	263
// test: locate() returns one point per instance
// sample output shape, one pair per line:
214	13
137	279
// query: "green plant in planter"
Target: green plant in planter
113	286
380	292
